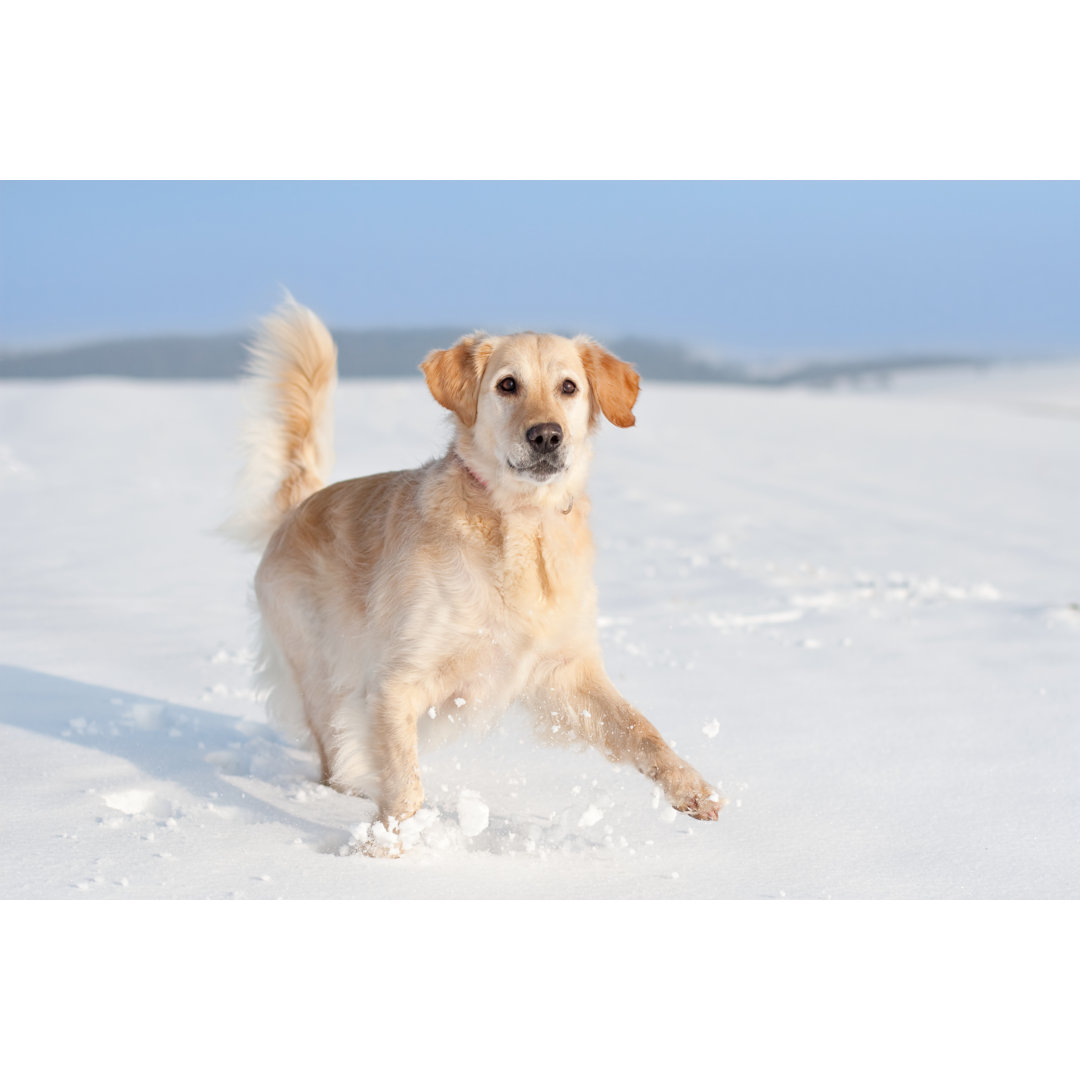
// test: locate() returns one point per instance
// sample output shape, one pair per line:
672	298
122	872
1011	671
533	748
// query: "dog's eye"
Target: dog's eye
569	386
508	385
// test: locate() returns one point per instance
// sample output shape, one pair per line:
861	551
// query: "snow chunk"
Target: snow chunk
139	801
473	814
711	729
411	829
590	817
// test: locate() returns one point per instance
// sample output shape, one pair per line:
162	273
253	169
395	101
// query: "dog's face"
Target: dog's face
527	402
532	409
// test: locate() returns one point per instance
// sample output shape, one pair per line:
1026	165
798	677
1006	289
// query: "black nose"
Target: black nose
543	438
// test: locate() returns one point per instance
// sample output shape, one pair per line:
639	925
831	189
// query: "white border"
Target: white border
575	89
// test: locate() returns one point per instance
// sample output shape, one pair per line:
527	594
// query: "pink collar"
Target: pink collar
482	483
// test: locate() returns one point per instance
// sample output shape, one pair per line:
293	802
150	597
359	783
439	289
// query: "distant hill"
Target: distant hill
361	353
396	353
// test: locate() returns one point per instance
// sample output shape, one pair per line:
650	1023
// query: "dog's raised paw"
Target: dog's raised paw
703	806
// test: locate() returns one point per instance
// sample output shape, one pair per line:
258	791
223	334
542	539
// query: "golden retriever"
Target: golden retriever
462	586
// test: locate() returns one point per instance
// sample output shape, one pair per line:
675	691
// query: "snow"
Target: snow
856	612
472	813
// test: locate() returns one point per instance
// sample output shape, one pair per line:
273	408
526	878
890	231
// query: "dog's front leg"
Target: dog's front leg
394	746
579	695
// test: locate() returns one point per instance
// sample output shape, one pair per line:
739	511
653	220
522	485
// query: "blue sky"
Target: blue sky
757	268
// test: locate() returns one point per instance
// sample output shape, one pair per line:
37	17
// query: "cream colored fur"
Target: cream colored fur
388	599
289	433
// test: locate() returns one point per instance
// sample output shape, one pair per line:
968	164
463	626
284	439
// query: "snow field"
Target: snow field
856	612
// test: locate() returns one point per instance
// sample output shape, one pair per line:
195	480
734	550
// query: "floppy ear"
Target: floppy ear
453	375
614	382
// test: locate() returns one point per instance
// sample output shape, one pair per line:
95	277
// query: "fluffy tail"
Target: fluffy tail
288	436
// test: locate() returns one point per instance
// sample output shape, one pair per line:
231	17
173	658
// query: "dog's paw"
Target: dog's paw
705	806
377	848
687	790
690	794
391	838
377	840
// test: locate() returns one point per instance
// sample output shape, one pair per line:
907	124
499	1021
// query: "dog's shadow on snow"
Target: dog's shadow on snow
195	749
244	769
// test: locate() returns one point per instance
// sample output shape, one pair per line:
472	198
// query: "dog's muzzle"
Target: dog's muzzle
546	453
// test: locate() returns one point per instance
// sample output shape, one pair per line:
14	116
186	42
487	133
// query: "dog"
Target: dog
462	586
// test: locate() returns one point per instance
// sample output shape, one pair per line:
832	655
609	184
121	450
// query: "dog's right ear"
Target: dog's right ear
453	375
614	382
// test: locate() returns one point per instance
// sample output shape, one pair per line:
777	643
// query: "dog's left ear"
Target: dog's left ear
453	375
614	383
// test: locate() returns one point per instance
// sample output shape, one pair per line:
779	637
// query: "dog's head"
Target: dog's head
526	403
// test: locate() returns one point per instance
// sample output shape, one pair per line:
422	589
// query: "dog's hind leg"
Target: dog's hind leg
288	707
351	757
